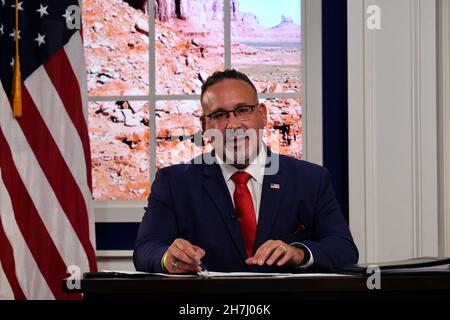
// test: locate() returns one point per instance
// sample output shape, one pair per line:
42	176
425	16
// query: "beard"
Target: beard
239	147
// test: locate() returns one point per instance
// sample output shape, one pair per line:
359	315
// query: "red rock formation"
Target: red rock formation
119	150
193	11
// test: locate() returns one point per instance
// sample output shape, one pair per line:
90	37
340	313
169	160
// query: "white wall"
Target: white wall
115	260
393	130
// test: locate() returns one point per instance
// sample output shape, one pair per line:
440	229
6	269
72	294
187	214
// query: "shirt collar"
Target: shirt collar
256	168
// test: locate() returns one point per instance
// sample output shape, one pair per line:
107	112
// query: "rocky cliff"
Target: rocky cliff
206	13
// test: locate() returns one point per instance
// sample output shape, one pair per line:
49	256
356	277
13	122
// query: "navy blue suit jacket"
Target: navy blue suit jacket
192	201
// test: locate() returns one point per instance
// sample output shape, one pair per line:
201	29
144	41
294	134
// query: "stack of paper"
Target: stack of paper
414	265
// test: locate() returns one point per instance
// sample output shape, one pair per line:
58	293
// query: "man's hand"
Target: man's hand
183	257
277	252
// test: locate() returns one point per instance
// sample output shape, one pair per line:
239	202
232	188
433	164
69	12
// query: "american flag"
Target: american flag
45	179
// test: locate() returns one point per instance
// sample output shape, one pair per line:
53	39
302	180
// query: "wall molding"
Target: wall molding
392	130
114	253
415	125
311	51
443	28
356	114
370	141
426	140
118	211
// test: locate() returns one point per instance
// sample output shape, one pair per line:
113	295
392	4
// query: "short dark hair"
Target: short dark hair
225	74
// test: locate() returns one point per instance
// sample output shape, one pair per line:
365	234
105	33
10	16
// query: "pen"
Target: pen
204	271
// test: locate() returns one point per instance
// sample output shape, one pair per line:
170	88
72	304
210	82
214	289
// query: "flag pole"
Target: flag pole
17	83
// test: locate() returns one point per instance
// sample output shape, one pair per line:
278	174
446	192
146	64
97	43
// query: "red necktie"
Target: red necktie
244	209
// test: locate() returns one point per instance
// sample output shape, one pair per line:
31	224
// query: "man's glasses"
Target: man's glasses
241	113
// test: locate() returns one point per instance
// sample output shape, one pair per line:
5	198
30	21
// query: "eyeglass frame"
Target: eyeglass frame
252	107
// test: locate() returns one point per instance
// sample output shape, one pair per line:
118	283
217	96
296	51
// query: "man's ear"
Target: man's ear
262	109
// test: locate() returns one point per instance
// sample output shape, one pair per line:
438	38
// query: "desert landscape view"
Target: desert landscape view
188	47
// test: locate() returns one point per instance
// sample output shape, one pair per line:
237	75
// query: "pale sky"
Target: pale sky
269	12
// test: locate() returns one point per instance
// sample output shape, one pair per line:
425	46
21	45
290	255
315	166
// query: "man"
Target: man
248	210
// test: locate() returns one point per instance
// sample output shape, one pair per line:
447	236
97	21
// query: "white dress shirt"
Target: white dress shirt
256	170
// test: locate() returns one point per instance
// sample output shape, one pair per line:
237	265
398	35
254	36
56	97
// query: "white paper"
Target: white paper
125	272
215	274
170	275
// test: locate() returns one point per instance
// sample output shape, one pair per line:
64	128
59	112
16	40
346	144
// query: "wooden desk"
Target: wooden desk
398	287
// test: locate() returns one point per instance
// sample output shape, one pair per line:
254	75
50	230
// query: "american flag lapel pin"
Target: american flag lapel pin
274	186
301	228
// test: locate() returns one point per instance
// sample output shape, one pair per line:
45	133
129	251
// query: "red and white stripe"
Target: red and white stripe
27	272
6	292
45	186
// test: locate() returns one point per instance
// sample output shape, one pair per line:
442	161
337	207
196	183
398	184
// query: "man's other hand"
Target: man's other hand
276	252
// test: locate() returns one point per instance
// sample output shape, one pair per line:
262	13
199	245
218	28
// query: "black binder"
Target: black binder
426	265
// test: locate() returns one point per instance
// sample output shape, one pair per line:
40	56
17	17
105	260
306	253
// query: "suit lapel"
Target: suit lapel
216	187
271	193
